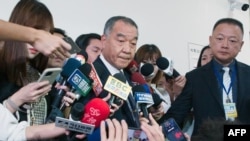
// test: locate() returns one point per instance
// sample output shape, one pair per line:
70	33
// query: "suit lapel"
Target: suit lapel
212	83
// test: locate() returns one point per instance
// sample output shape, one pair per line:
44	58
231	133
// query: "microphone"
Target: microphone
143	99
67	70
138	79
95	111
166	65
117	86
157	100
80	81
75	115
147	70
132	67
97	84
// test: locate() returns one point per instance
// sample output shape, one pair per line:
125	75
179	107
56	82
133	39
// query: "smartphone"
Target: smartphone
50	74
136	134
172	131
74	47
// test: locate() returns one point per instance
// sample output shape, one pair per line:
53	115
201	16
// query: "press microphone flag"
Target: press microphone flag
97	84
80	82
117	87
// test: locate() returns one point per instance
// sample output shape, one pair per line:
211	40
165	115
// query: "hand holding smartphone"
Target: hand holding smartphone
49	74
172	131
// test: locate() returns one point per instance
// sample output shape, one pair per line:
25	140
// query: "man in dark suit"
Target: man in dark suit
119	42
205	91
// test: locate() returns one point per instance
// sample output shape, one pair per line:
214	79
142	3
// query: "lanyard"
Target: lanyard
220	79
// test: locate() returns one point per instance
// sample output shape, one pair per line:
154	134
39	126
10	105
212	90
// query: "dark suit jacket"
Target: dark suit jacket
123	112
203	93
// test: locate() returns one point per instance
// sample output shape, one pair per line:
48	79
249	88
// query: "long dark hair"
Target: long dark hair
13	56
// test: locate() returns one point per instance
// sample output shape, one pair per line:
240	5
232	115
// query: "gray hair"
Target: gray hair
111	22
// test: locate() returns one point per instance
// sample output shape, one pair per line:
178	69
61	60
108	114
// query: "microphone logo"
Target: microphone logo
97	84
94	112
80	82
117	87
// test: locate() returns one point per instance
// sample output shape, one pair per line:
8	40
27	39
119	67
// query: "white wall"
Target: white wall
170	24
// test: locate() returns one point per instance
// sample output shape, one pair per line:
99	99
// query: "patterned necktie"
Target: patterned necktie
226	83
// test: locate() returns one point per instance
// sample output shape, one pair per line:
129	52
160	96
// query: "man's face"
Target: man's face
94	49
226	42
120	45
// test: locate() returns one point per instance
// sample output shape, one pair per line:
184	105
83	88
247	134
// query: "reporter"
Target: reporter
22	131
43	41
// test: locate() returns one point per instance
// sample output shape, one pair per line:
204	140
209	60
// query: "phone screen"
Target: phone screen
136	135
172	131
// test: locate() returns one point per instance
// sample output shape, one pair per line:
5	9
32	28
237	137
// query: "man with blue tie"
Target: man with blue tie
206	91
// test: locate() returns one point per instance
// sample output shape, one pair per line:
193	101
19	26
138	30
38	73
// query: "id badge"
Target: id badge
230	110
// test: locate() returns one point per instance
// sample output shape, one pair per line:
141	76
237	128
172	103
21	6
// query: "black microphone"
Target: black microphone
67	70
143	98
80	82
147	70
116	86
114	99
166	65
76	114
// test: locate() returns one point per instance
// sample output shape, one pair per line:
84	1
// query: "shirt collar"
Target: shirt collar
111	68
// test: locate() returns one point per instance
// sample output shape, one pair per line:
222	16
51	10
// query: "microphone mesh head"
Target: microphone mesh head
85	69
162	63
120	77
138	78
77	111
69	67
147	69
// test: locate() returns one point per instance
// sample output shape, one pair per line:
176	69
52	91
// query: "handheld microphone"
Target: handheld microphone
142	98
67	70
117	86
95	111
132	67
79	81
75	115
166	65
147	70
97	84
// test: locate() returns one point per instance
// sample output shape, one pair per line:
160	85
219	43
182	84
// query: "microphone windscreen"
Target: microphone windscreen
85	69
175	73
157	100
132	66
147	69
95	111
162	63
77	111
120	77
138	78
69	67
138	88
